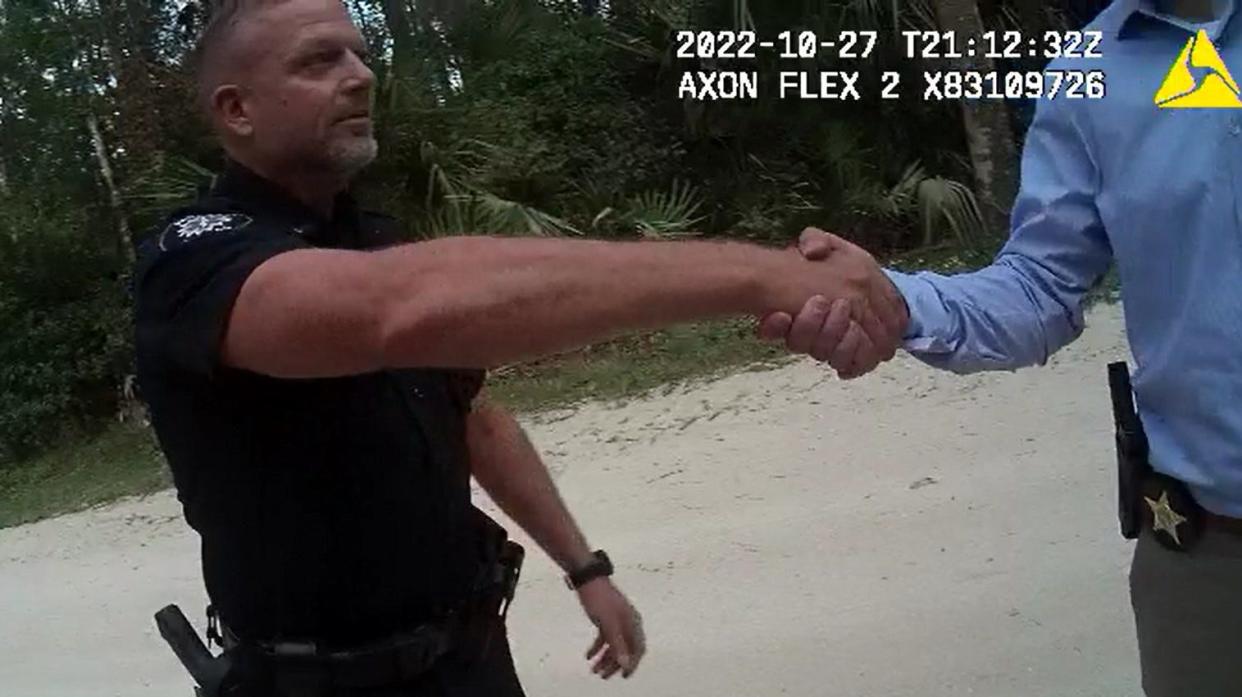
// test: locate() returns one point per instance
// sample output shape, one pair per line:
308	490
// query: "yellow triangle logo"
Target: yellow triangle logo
1199	79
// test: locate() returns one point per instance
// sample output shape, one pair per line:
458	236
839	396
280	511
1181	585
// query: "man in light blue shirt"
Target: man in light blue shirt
1158	192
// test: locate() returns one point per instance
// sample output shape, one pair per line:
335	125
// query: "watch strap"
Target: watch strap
599	566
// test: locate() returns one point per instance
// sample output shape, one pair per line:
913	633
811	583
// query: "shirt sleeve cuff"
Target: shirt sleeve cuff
930	325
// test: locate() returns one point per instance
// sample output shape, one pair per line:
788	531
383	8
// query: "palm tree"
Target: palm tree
1032	16
989	136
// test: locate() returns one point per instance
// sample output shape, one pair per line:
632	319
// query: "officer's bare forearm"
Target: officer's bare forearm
480	302
476	302
507	466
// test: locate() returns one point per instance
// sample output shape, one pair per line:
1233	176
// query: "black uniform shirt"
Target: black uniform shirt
336	509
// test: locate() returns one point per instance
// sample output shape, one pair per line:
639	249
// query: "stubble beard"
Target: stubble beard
349	156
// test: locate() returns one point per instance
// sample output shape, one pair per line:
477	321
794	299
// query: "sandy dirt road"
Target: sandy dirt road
913	533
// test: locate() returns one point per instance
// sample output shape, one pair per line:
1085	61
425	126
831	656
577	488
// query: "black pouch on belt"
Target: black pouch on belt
1133	466
1147	497
494	587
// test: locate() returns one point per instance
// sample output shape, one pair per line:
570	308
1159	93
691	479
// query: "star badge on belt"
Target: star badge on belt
1164	518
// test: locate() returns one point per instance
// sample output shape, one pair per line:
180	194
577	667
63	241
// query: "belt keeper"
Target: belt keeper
213	627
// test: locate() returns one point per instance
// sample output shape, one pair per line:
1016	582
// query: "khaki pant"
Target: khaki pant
1188	613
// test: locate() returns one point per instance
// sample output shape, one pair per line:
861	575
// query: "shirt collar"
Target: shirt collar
240	183
1130	13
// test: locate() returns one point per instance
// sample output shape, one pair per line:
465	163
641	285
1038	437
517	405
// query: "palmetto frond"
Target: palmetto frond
665	214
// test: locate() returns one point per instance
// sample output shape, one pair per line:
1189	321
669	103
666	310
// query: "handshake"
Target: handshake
854	318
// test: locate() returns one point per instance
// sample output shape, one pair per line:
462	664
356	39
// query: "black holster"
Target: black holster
210	673
495	586
501	567
1141	489
1133	466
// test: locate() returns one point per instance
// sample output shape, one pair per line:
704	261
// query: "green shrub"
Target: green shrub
65	343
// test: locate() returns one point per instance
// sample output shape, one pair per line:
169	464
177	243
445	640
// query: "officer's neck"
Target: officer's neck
316	190
317	194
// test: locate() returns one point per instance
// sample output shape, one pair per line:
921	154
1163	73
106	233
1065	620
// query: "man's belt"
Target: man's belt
306	667
248	668
1226	524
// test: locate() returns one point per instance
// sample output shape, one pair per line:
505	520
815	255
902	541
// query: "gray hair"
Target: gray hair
213	45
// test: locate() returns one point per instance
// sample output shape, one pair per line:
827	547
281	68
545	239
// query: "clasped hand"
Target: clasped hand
836	305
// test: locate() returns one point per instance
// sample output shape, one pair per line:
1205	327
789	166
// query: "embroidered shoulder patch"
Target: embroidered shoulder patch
195	226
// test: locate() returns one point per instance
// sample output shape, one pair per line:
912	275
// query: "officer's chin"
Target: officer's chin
351	155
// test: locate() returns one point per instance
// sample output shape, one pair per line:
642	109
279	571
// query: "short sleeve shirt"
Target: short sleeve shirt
333	509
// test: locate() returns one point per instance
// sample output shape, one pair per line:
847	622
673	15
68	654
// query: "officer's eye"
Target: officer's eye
318	58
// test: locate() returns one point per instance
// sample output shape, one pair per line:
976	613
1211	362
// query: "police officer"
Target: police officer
316	385
1156	191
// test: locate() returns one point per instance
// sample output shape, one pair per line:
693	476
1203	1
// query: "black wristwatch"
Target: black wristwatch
599	566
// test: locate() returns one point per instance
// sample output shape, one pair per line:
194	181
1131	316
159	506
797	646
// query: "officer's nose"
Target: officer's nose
361	77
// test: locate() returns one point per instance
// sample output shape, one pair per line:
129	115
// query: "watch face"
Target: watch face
601	565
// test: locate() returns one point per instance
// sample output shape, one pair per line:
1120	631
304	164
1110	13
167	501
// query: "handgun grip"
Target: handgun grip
189	648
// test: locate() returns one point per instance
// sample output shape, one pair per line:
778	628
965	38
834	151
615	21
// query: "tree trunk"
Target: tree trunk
1032	17
114	194
428	38
989	136
124	41
4	171
397	17
4	110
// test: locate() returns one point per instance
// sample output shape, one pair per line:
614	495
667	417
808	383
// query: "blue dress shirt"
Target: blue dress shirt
1158	192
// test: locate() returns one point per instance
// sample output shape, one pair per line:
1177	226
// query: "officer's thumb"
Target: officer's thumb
817	245
775	326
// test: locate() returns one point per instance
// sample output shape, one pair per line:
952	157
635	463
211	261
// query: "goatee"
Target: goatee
350	156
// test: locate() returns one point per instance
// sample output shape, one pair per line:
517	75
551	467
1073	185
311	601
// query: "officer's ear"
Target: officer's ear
229	108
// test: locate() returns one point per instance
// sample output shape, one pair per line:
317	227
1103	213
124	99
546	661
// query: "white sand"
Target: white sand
783	533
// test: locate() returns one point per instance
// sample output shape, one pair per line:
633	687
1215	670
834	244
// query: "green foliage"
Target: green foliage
66	339
539	109
633	365
518	117
170	183
939	205
81	471
664	214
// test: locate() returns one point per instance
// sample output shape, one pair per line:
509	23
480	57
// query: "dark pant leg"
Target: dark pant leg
493	675
1188	614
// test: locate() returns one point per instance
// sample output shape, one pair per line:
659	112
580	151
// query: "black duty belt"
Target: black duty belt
1226	524
306	667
